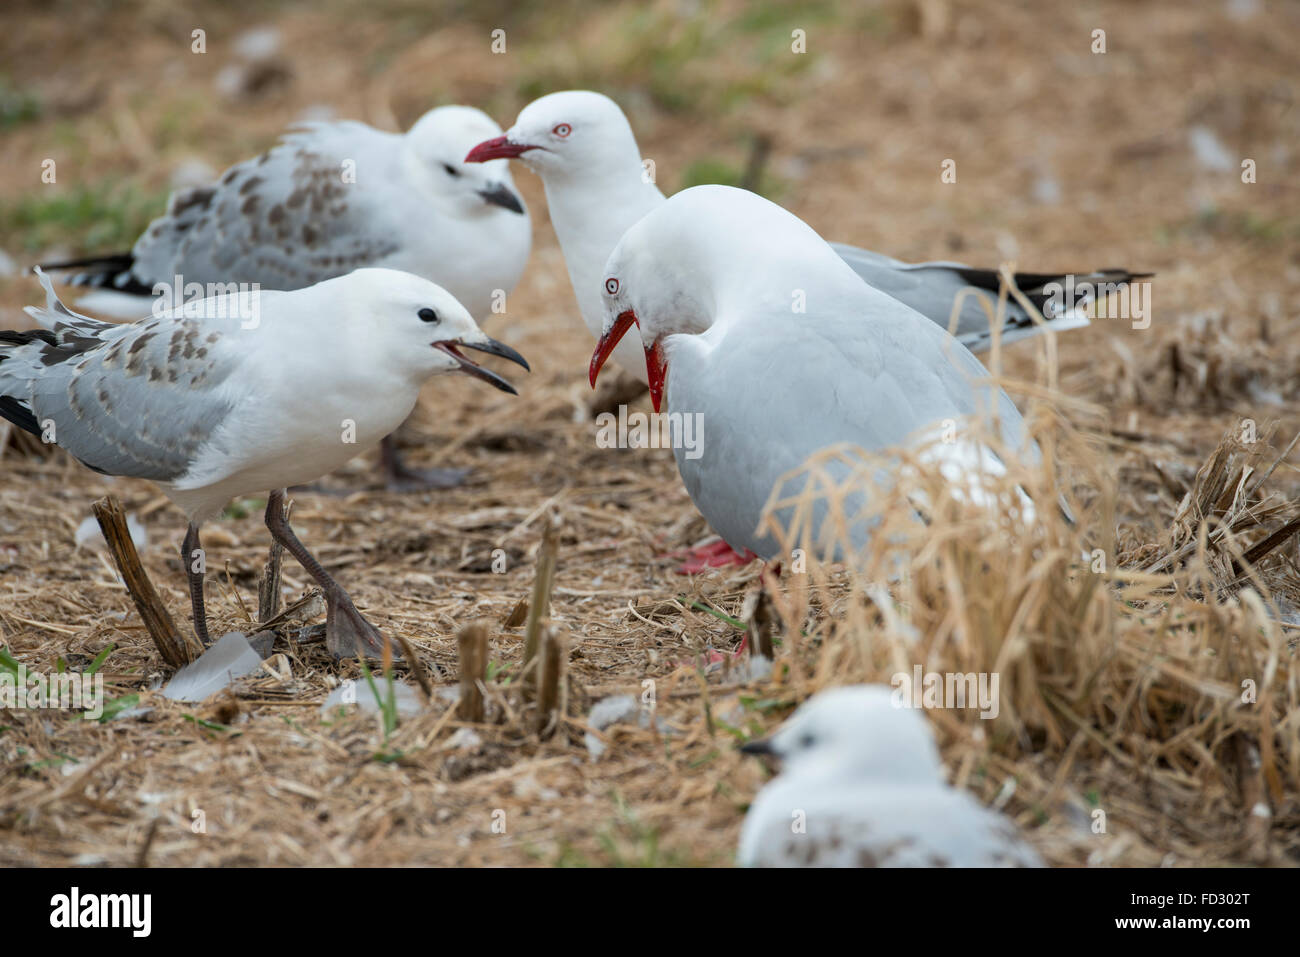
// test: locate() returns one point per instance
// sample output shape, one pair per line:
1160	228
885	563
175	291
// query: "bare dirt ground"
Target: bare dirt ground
1065	158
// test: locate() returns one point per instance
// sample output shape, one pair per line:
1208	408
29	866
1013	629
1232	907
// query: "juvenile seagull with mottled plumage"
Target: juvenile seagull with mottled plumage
329	199
229	396
861	785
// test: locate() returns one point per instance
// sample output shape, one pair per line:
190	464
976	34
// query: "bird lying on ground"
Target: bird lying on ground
861	785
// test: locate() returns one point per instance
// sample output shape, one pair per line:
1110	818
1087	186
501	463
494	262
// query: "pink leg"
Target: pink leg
716	555
712	657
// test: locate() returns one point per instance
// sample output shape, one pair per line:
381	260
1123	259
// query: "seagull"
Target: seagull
597	186
710	279
232	395
581	145
328	199
861	785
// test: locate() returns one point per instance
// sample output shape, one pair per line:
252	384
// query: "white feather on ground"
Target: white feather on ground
230	657
89	535
360	694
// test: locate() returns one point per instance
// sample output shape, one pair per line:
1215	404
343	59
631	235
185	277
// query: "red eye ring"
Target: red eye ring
611	286
562	130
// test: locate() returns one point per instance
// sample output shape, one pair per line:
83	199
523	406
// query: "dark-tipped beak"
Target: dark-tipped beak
497	148
625	321
499	194
471	368
494	348
761	746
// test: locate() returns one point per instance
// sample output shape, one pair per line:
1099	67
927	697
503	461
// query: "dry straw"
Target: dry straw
1121	655
1167	685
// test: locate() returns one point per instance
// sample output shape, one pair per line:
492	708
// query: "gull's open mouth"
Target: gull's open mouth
472	368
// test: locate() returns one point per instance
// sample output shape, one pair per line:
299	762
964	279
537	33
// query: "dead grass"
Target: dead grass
1167	700
1122	688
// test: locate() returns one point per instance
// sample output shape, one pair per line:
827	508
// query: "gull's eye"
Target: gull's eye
451	170
611	286
562	130
428	315
806	741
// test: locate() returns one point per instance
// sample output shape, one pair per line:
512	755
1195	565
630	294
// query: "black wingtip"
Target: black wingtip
19	415
110	271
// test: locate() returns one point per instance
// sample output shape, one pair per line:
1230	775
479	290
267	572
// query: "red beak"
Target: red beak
656	367
608	341
499	148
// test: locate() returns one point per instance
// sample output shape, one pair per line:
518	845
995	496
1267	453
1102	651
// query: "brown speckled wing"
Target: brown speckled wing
286	219
139	402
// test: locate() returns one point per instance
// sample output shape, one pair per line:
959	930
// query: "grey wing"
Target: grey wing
140	402
875	383
932	288
942	827
289	218
891	374
884	826
968	385
904	375
871	374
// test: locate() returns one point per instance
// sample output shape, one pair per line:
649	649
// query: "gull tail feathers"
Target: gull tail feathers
54	313
1035	286
981	340
18	364
110	271
26	353
118	305
54	316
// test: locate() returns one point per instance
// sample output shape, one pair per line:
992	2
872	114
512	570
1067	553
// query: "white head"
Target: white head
672	271
439	141
855	731
576	133
418	327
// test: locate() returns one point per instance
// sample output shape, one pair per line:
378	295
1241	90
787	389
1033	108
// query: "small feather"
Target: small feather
89	535
230	658
358	692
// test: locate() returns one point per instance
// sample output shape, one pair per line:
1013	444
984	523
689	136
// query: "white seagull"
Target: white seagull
753	324
861	785
582	147
233	395
328	199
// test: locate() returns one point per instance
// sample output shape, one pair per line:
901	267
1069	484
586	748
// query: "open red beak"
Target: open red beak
625	321
656	368
498	148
